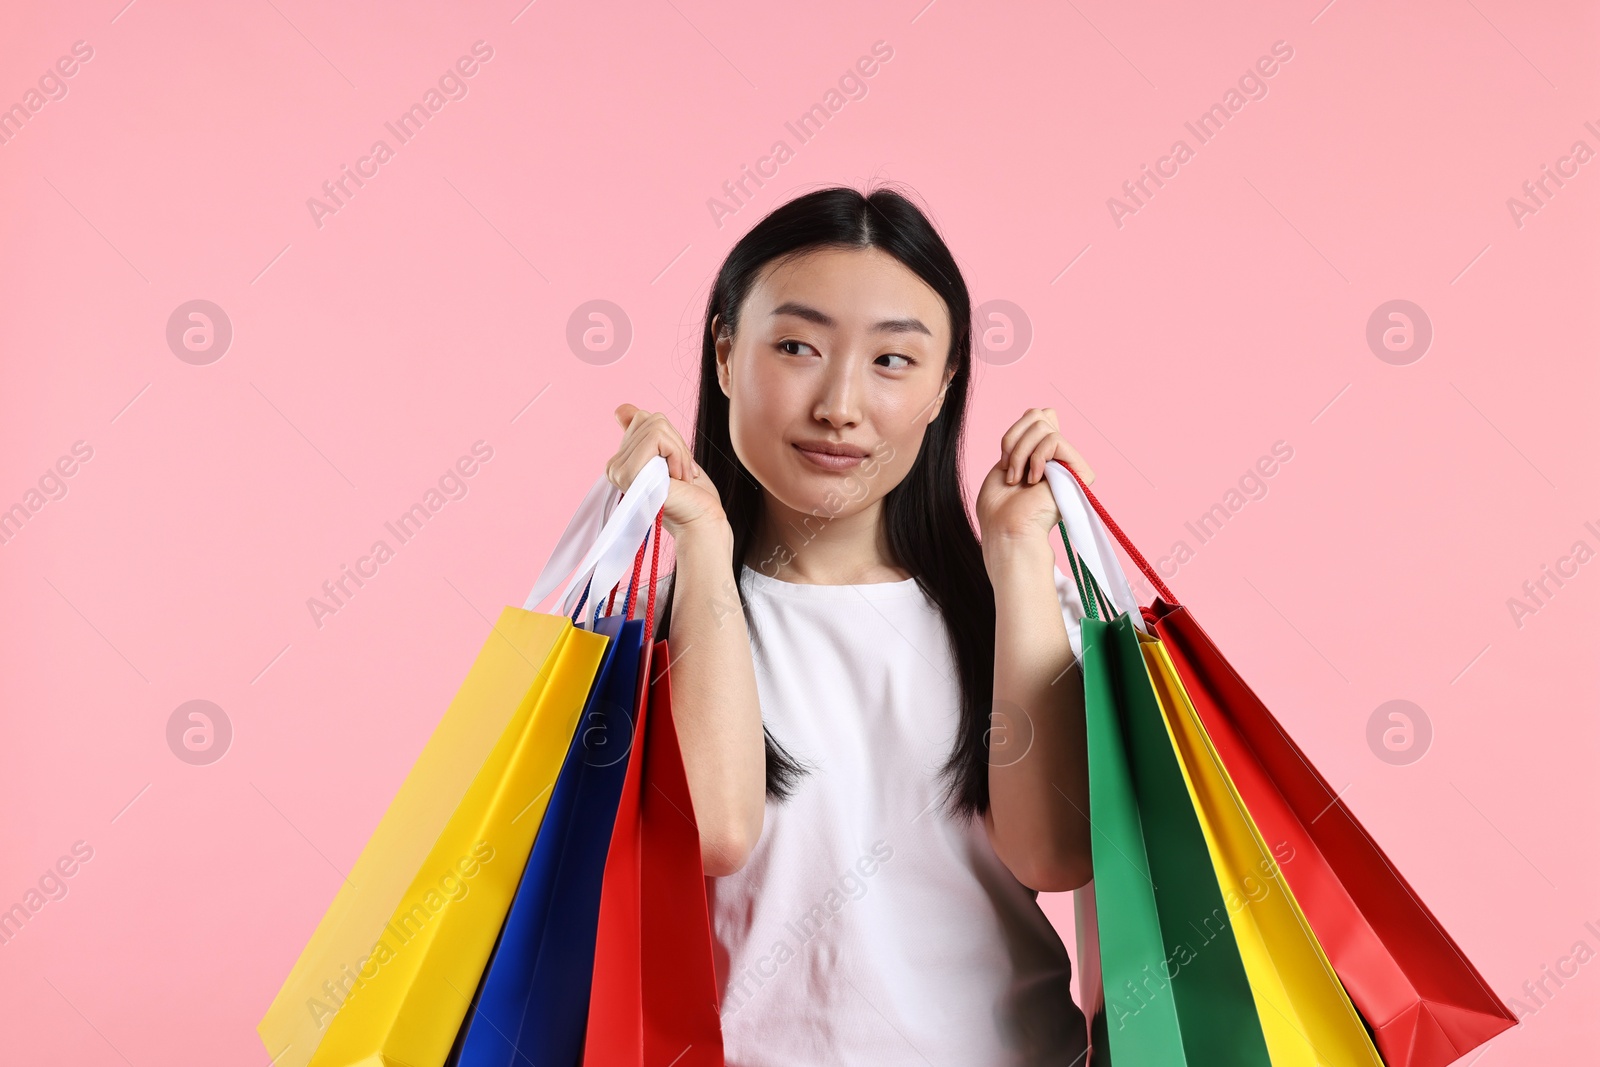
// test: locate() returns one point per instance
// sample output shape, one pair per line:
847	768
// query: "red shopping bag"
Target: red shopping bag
1425	1002
653	999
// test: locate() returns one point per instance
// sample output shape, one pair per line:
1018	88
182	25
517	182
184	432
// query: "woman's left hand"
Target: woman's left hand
1014	499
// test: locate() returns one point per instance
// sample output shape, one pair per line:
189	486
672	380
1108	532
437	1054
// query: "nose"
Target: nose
839	404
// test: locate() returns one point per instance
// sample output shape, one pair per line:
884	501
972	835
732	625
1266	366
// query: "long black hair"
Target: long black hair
928	527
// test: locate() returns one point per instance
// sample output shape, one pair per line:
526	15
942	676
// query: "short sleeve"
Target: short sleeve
1072	612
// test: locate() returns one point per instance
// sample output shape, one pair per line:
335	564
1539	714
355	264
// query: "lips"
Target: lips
833	448
831	455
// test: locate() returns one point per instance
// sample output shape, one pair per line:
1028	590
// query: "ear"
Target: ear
938	401
724	353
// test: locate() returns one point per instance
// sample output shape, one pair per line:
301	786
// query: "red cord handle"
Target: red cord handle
632	596
1122	539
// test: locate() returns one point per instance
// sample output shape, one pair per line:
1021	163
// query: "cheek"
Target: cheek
766	404
902	421
763	394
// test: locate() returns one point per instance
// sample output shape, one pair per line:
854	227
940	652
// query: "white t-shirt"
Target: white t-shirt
868	926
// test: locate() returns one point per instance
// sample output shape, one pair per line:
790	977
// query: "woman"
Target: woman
883	735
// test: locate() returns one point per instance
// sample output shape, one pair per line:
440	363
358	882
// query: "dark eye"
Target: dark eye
784	347
905	361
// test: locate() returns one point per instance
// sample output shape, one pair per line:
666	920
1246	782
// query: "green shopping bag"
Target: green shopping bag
1173	989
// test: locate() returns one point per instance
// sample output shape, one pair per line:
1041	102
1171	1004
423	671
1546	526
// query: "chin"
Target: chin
809	494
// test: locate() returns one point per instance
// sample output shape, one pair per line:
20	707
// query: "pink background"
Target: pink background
369	353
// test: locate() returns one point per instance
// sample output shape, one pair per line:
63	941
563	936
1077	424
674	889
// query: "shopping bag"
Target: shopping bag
654	994
1174	986
1424	1001
438	846
1296	1001
534	994
1305	1015
532	1002
450	848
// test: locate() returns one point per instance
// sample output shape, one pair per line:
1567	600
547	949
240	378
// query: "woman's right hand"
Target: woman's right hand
692	498
716	707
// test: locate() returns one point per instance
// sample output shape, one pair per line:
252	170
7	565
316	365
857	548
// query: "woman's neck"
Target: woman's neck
794	546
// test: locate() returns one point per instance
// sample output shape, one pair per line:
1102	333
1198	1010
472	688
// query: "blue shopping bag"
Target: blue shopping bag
533	1001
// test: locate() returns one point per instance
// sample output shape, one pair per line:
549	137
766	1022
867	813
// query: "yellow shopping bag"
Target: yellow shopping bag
446	856
390	971
1306	1016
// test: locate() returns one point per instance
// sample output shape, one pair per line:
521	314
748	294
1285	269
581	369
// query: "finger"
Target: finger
643	440
691	468
619	467
1072	458
1008	441
633	456
670	444
1017	461
653	432
1042	454
638	446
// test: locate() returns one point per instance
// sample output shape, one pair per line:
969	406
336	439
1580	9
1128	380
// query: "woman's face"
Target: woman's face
837	370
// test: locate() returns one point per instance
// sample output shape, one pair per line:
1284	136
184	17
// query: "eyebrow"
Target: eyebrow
811	314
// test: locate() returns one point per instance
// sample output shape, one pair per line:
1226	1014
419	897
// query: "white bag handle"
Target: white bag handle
607	532
1092	542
